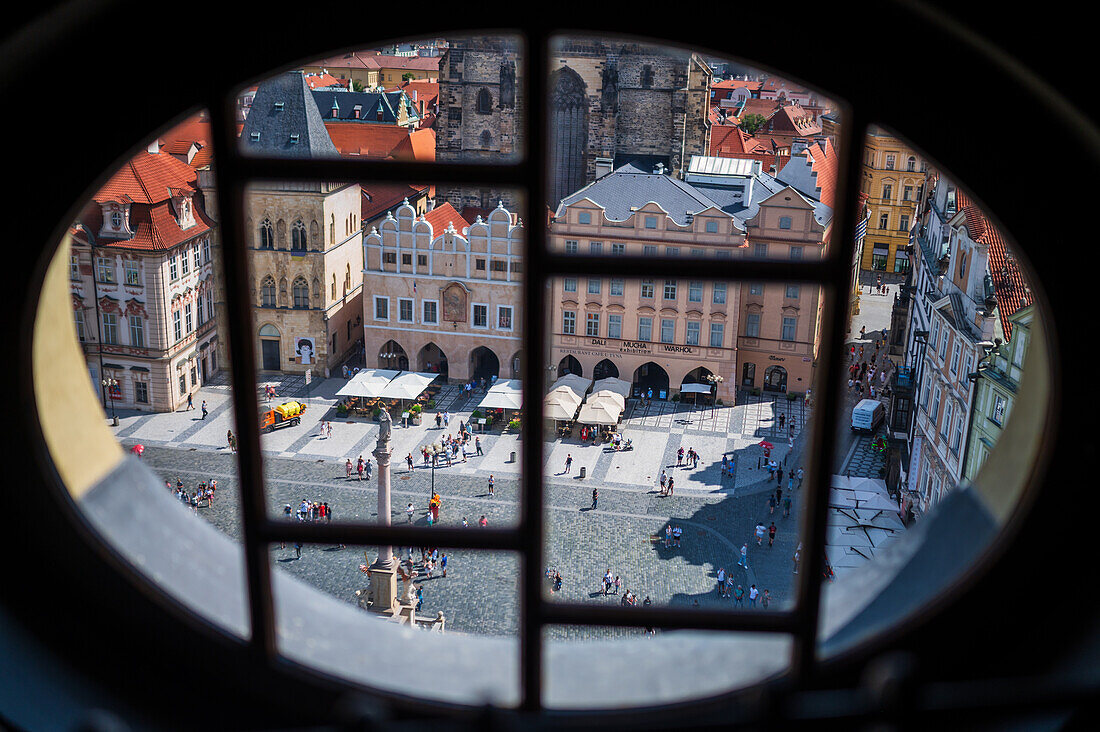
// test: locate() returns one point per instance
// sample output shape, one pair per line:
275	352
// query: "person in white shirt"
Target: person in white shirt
721	581
744	560
409	511
760	529
753	594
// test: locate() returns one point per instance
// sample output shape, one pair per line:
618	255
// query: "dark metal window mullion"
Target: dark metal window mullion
242	357
532	605
823	437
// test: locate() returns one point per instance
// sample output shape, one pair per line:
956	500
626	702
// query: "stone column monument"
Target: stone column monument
383	573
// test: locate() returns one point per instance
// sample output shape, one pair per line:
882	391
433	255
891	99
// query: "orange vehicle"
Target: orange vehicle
283	415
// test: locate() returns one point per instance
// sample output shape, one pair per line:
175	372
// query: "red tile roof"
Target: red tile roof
736	84
323	81
795	118
408	63
195	129
1009	283
426	91
353	60
824	163
418	146
373	141
763	107
442	215
380	197
146	178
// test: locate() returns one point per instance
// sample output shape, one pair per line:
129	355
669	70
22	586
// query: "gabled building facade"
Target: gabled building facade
141	273
445	295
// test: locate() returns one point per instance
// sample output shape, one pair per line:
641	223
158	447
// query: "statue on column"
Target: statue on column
385	424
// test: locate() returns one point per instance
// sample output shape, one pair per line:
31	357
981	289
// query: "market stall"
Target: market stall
561	406
361	393
503	402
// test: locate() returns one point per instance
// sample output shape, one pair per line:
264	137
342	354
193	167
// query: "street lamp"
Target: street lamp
109	384
388	356
715	380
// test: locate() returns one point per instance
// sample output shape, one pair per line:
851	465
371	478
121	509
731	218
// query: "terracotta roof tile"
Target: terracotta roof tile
445	214
418	146
408	63
824	163
379	197
146	178
323	81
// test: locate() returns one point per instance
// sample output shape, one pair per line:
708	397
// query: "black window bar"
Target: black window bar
235	171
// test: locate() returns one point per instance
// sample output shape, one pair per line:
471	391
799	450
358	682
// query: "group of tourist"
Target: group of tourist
692	457
360	468
203	492
727	589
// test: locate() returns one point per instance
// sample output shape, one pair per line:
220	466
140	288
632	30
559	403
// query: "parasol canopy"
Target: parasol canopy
766	445
506	394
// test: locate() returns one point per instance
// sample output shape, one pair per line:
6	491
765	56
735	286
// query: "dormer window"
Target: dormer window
255	137
358	111
278	106
116	220
294	139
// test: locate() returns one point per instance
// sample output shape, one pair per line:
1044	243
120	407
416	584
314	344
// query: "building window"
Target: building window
884	221
752	325
903	223
617	247
78	319
926	393
955	354
670	289
879	256
617	286
592	327
943	347
405	310
901	261
183	383
173	268
74	268
935	413
570	246
887	193
645	329
300	290
1000	404
712	227
717	332
692	335
568	322
200	310
267	293
484	102
890	161
584	217
206	251
381	308
614	326
593	285
651	222
499	265
389	257
479	265
945	423
133	277
570	284
911	164
956	439
481	316
784	222
760	251
723	254
796	254
969	363
649	250
406	260
718	296
595	247
792	292
421	260
431	312
141	392
756	288
788	329
647	289
104	271
907	193
177	325
504	317
695	291
187	319
934	343
185	263
672	251
267	235
668	330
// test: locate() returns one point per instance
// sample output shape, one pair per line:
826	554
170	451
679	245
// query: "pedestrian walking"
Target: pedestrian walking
409	513
677	535
771	503
679	457
465	523
607	581
204	409
618	584
790	482
721	581
668	535
797	557
800	477
753	594
367	467
348	469
328	430
782	420
760	529
419	598
477	445
443	564
483	522
670	486
438	420
739	596
229	438
778	494
568	462
664	479
298	550
491	483
359	467
779	475
557	581
595	497
190	402
766	600
728	589
771	533
786	507
409	461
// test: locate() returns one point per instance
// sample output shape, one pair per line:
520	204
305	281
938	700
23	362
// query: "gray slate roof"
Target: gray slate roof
368	102
277	126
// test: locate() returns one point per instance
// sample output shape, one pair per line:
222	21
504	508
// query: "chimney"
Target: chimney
154	146
798	146
412	94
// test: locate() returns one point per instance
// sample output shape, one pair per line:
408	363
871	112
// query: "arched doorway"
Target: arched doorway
432	359
748	375
605	370
775	379
517	365
570	365
569	136
697	376
484	364
392	356
269	348
650	376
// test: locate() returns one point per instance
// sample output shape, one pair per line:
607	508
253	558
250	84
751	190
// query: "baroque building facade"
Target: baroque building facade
610	103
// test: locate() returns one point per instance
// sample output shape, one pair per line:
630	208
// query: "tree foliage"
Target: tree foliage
750	123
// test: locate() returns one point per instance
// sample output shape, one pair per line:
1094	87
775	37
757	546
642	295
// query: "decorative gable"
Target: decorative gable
185	214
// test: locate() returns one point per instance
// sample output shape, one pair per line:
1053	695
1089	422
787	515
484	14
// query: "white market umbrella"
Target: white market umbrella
620	387
367	383
409	385
505	394
599	412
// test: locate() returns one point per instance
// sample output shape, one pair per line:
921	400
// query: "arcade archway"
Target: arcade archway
484	364
570	365
392	356
775	379
432	359
605	370
650	376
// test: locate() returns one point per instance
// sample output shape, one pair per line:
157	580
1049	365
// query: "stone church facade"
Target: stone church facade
610	103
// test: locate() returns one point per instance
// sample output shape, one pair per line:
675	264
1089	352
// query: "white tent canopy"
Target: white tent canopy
506	394
600	411
695	389
578	384
409	385
620	387
561	403
608	397
367	383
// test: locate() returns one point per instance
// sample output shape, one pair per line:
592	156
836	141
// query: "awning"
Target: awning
578	384
561	403
608	396
695	389
612	384
368	383
604	413
408	385
505	394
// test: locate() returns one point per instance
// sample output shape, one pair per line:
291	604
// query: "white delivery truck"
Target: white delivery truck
867	415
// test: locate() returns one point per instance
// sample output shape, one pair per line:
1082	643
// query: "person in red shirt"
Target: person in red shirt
482	521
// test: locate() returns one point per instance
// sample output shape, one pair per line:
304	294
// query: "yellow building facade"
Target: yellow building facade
893	179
